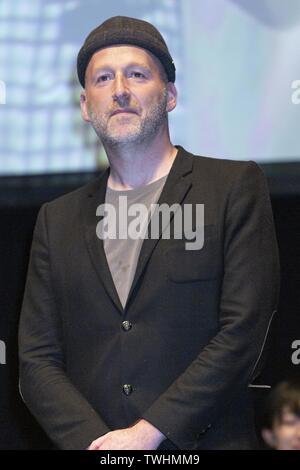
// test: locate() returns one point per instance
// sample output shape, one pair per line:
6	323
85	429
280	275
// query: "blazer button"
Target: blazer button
127	389
126	325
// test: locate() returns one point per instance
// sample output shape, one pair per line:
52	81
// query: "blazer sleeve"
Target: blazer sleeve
248	299
66	416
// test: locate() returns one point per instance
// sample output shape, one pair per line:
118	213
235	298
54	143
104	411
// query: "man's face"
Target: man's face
125	98
285	434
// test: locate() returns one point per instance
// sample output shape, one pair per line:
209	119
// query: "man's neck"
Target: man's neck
133	166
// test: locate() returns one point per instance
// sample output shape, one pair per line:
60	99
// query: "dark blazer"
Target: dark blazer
198	319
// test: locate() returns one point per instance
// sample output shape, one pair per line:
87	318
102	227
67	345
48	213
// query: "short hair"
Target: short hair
284	396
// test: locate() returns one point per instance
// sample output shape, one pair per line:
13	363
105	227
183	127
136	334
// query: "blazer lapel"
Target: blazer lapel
95	197
177	184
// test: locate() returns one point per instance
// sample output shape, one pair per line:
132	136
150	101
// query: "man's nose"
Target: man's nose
121	91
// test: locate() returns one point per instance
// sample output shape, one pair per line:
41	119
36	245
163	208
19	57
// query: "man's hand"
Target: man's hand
140	436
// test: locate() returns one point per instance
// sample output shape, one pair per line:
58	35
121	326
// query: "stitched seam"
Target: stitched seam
264	341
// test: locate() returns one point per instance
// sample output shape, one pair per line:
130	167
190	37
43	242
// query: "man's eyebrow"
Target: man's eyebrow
131	64
137	64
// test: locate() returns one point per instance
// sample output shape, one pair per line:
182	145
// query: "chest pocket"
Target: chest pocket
194	265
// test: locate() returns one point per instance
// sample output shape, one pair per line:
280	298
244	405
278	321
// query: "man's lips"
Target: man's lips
119	111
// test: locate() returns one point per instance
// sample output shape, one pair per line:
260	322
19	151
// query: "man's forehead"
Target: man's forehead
125	53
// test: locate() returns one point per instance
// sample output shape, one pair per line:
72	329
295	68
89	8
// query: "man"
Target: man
145	344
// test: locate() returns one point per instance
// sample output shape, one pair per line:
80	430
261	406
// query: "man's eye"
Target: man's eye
102	78
138	74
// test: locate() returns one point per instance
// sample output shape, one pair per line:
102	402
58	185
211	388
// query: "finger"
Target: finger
93	446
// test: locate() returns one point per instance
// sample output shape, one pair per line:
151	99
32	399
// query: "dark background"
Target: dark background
20	200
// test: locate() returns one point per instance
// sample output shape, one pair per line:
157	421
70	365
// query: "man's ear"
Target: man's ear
83	106
268	437
172	96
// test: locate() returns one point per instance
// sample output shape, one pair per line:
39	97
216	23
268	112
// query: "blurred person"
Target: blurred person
141	343
281	421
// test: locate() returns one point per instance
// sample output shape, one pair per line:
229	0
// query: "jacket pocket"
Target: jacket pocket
193	265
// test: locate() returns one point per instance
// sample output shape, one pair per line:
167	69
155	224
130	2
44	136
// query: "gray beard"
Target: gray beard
147	128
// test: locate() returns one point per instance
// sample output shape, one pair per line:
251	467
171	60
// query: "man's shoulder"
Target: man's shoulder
219	163
224	169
